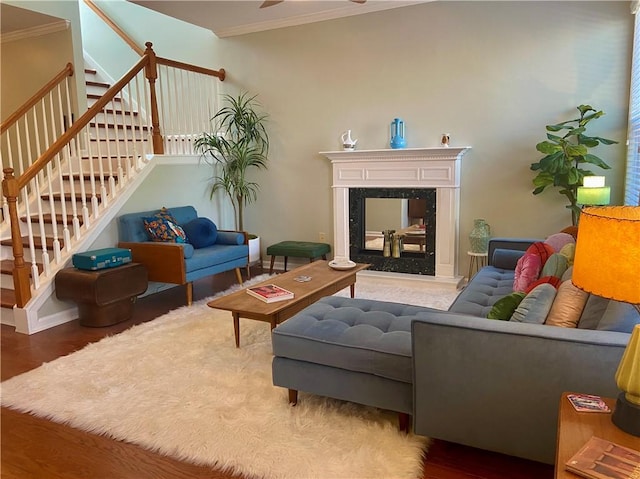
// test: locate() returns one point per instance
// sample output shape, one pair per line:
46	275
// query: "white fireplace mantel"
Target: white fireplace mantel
437	168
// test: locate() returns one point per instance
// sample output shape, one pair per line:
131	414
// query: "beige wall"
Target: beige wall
492	74
52	52
47	54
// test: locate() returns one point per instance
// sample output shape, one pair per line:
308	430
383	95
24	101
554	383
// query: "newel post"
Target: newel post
21	285
151	72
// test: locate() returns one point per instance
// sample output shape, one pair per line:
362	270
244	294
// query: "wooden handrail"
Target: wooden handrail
103	16
67	71
79	124
192	68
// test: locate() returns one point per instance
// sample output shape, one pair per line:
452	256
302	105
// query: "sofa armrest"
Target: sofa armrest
164	261
514	244
496	385
232	237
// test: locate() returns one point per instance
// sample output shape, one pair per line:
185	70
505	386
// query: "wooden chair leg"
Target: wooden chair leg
273	260
293	397
285	263
239	275
189	294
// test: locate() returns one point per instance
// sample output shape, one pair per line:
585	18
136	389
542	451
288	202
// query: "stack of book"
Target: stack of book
270	293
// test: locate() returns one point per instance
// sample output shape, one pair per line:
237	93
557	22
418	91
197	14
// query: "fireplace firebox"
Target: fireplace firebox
421	259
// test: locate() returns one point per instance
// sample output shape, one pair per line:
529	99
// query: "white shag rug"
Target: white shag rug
178	386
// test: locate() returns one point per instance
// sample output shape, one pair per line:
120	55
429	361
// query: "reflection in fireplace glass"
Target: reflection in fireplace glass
409	213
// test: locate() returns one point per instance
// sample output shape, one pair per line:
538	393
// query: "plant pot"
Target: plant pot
254	248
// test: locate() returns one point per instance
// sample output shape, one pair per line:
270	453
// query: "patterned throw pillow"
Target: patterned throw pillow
163	227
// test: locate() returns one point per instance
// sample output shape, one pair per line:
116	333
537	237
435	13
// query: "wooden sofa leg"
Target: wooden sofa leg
404	420
239	275
189	294
293	397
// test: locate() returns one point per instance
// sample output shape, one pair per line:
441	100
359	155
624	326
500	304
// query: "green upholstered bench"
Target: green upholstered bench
297	249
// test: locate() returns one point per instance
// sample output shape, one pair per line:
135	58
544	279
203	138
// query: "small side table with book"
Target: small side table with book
575	429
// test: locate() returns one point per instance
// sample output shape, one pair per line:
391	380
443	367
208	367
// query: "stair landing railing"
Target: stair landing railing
166	96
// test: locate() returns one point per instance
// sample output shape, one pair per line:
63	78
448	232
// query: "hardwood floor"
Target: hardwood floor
37	448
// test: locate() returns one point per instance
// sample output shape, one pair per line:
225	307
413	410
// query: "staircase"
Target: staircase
95	173
64	184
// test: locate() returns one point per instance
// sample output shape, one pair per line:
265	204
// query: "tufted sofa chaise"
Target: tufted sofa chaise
489	384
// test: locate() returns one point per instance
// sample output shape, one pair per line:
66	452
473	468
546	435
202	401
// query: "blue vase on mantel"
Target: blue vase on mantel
479	236
397	134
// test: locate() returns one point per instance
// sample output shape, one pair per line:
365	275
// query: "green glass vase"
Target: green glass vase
479	236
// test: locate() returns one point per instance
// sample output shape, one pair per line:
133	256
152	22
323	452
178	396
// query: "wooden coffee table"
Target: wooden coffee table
324	282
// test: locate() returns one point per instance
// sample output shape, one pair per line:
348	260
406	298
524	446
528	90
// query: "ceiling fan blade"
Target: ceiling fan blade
270	3
359	1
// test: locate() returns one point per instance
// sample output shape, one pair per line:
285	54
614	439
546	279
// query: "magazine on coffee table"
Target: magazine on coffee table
270	293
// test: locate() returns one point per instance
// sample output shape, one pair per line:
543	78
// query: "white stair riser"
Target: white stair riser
117	118
117	134
114	148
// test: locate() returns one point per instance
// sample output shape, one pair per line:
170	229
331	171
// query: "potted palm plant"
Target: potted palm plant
238	143
564	156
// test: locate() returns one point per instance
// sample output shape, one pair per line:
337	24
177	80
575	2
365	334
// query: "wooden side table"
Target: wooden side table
104	297
576	428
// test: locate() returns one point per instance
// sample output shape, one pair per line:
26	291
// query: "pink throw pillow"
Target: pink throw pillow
558	240
527	271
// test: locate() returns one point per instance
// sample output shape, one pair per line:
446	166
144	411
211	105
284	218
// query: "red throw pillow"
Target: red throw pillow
543	250
552	280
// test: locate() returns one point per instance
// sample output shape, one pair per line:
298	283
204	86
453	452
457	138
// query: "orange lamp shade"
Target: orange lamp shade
607	258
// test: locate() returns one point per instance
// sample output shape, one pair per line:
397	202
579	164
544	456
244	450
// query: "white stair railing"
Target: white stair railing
61	175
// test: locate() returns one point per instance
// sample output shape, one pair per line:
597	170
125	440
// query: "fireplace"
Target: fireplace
432	174
418	254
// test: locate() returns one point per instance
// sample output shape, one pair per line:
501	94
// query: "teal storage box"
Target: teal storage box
101	258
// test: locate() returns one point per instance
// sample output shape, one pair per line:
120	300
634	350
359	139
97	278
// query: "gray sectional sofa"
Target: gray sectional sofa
490	384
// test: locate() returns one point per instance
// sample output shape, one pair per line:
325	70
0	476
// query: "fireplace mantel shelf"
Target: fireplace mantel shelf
404	153
437	168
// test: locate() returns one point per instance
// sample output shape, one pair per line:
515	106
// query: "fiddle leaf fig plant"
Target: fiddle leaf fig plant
238	143
566	149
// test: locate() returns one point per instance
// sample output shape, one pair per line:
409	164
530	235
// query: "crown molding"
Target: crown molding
332	14
35	31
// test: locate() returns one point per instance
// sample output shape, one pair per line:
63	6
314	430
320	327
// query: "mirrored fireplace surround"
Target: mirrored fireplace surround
412	169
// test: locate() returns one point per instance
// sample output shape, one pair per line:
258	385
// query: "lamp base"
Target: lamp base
627	416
